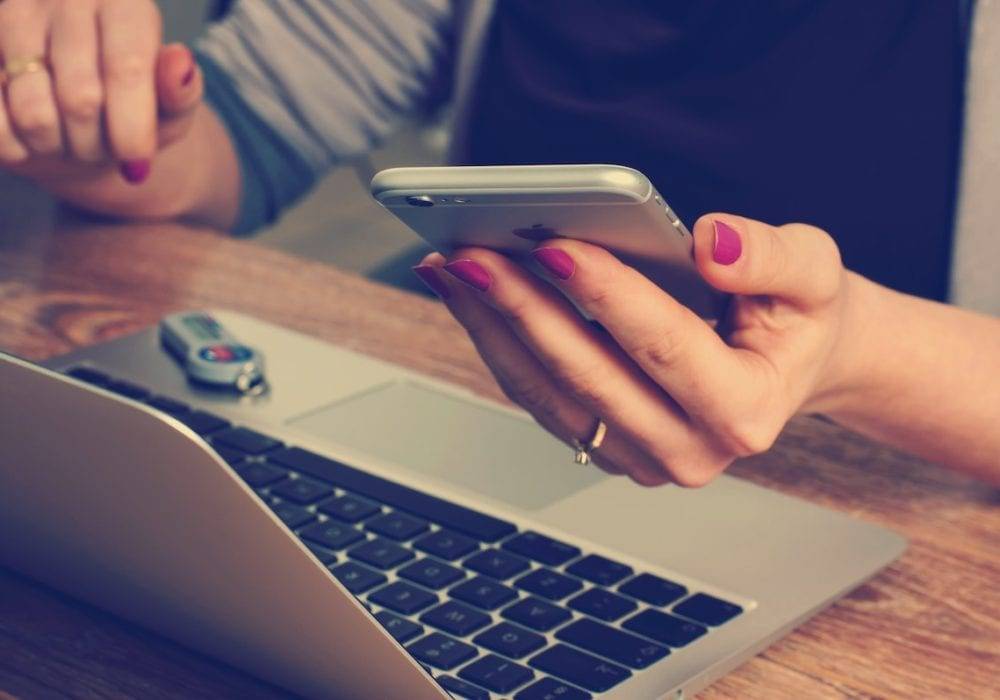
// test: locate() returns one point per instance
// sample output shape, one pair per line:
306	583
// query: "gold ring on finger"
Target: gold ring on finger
584	449
16	67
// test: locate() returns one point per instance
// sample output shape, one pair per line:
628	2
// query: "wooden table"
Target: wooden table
929	626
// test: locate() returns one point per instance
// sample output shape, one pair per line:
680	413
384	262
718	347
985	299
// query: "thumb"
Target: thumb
797	263
178	81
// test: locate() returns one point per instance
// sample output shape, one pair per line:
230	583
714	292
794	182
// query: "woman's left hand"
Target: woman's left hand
680	401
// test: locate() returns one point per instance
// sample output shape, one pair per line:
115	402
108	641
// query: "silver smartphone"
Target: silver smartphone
512	209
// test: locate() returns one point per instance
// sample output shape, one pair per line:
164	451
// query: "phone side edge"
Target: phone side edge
528	178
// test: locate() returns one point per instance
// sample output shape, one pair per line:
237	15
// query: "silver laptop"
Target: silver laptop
364	531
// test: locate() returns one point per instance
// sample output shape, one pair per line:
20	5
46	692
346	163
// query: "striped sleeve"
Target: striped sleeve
304	84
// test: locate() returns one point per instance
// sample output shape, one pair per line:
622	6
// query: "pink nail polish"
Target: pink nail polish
727	247
429	276
556	261
135	171
189	76
470	272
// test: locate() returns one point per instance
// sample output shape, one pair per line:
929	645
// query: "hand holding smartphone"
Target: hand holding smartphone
511	209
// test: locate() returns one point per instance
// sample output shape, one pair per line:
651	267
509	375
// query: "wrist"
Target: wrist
851	369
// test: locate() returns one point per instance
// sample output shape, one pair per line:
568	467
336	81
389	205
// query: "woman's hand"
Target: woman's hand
89	88
681	400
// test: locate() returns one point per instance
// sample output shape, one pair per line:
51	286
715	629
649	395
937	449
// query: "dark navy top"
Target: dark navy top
845	114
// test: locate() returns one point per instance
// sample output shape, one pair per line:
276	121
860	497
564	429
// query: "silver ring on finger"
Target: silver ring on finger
583	449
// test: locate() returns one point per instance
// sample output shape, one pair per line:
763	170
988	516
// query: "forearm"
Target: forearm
921	376
197	178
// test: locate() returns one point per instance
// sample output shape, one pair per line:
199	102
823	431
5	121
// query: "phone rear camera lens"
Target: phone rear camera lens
420	201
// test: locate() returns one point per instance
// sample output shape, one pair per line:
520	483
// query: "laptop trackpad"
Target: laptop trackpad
463	442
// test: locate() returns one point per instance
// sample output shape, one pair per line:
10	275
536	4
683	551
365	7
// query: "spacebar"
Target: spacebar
456	517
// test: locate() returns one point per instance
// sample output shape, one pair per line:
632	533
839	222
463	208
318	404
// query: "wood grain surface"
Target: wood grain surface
928	627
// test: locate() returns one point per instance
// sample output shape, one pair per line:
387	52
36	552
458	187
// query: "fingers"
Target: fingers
98	96
130	40
526	382
178	80
587	364
797	263
671	344
79	90
31	105
577	355
12	151
179	87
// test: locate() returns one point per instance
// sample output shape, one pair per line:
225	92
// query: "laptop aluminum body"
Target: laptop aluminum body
126	508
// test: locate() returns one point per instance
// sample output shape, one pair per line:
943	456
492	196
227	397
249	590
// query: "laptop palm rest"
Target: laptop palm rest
447	437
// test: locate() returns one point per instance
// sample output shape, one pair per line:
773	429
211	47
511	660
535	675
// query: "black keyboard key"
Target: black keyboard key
331	534
446	544
167	405
707	609
403	598
548	584
537	614
128	390
325	556
246	440
350	509
456	618
496	674
461	690
602	604
380	553
541	548
496	563
664	628
302	491
611	643
398	526
357	578
510	640
233	457
89	375
203	422
551	689
451	515
292	515
653	589
483	592
260	474
599	570
580	668
441	651
431	573
400	628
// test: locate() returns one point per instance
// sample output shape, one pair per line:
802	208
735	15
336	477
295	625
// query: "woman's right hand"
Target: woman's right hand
107	97
679	399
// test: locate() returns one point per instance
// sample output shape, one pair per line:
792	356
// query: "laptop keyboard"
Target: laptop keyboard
489	609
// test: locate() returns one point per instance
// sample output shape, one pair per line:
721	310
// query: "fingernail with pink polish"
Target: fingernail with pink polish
555	261
135	171
727	247
429	276
470	272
